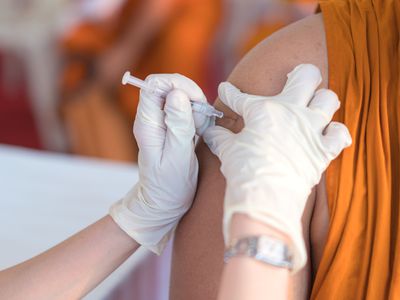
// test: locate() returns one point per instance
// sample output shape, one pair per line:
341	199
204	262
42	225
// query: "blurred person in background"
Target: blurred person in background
246	23
151	36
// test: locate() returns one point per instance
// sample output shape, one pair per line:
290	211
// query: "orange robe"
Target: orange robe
361	259
99	124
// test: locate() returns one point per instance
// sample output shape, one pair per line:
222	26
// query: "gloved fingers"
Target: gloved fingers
179	121
325	103
336	138
149	126
301	84
232	97
150	110
217	139
168	82
150	140
202	127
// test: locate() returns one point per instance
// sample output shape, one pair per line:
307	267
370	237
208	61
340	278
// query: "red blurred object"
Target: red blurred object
17	124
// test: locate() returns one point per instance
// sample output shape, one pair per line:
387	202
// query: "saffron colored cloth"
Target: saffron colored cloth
361	259
182	46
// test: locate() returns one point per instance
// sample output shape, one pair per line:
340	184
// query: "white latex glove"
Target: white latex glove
279	156
168	167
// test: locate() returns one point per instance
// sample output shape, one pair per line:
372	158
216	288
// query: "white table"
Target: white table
45	198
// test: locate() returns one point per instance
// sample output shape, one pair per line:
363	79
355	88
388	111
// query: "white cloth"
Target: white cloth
168	167
279	156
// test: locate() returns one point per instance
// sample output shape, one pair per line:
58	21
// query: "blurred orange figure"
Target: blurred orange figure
148	36
289	12
246	23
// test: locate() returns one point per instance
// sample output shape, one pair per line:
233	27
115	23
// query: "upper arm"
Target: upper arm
263	70
198	247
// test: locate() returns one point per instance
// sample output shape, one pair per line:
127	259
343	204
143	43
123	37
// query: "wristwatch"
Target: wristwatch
262	248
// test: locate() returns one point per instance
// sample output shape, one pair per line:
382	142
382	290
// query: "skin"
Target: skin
241	275
71	269
198	247
74	267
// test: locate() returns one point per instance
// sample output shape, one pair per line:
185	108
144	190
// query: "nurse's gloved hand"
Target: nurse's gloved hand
286	144
164	129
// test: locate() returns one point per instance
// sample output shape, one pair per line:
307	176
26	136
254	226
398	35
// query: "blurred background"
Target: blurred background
61	62
64	113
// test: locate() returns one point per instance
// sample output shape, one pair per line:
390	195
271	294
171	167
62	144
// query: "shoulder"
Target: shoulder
263	70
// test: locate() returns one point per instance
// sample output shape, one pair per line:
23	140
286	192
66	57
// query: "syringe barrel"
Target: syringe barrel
200	107
206	109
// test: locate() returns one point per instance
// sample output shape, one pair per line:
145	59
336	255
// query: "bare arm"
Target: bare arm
198	245
245	278
71	269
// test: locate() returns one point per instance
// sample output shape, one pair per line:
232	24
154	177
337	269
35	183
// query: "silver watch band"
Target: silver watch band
262	248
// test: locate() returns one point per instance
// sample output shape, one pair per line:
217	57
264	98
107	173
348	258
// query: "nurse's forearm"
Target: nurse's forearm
246	278
71	269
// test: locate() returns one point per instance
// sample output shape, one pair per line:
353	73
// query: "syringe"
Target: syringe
200	107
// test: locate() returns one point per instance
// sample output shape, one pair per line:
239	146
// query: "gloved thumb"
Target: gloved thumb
217	139
178	120
232	97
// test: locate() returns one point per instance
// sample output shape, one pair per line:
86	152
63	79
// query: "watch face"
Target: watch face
262	248
271	246
242	246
